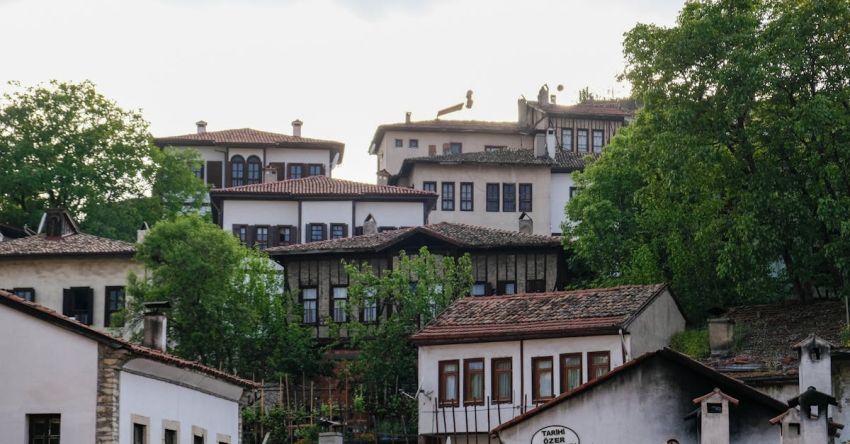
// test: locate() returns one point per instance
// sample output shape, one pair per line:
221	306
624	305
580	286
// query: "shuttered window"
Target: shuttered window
296	171
316	232
339	231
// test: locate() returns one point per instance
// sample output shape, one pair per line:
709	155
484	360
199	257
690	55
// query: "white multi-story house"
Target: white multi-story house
63	381
484	361
481	169
246	156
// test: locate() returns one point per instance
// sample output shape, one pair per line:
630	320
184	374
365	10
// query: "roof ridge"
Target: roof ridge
578	292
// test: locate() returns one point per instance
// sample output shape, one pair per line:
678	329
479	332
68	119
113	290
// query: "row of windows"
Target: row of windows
501	377
482	288
78	302
47	429
338	311
467	196
265	236
170	432
249	172
581	140
448	148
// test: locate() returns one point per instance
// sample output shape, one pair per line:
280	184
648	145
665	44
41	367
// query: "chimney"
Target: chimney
370	226
553	98
202	126
526	224
714	417
721	336
142	232
269	174
815	369
407	117
551	142
543	95
296	127
155	326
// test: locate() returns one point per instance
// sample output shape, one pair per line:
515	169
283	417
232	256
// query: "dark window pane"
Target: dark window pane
466	196
448	196
567	139
508	197
525	197
237	168
255	170
262	237
581	142
492	197
597	141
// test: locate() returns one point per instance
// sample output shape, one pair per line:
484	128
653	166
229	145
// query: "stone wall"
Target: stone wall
109	363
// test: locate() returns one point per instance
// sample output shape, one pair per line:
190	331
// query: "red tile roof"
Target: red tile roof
248	137
323	186
77	244
446	126
46	314
461	235
555	314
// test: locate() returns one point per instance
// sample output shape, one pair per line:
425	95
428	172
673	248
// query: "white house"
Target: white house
314	209
63	381
484	361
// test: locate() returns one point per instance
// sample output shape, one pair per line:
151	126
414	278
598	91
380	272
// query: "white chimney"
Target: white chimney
714	417
370	225
269	174
407	117
526	224
551	142
155	325
202	126
142	232
296	127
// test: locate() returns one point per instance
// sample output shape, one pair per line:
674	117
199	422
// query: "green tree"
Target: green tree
416	290
227	308
732	182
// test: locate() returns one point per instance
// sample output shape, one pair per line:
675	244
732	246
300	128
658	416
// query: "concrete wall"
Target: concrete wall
48	276
390	214
326	212
558	198
45	370
258	212
646	405
654	327
480	176
391	158
521	353
157	401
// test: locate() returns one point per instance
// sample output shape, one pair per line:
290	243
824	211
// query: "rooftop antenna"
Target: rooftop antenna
457	107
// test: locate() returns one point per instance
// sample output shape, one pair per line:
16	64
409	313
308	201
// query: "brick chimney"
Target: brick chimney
202	126
155	325
296	127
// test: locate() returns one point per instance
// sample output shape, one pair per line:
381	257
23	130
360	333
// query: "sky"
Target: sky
341	66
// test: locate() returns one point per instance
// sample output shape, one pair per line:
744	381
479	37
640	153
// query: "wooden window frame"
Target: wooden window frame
501	287
591	374
237	231
468	186
494	377
292	235
374	301
593	146
425	186
309	232
233	163
442	383
459	146
257	242
29	290
333	300
304	308
564	368
522	205
535	379
413	143
564	145
311	166
467	382
291	167
107	312
343	227
255	161
492	199
586	133
506	208
447	203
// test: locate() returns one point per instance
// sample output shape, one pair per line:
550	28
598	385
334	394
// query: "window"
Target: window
567	139
237	170
198	170
541	377
315	169
570	371
383	228
114	303
286	235
508	197
716	407
140	433
413	143
255	170
169	436
448	197
44	429
573	192
432	187
309	300
535	286
338	304
492	197
198	439
581	140
455	148
261	237
506	287
316	232
598	364
399	143
525	197
597	141
502	375
27	294
296	171
369	313
479	289
466	195
448	383
339	231
492	148
241	232
78	303
473	381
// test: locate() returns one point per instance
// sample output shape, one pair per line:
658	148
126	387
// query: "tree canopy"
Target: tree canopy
733	181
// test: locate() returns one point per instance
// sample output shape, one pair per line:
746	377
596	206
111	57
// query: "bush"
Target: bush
693	343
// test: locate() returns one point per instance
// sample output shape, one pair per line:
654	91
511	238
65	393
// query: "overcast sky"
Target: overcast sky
341	66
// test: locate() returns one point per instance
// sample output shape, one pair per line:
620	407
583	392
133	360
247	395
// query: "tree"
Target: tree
733	182
227	307
409	306
65	145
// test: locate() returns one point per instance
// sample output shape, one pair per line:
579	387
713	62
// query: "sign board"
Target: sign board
555	434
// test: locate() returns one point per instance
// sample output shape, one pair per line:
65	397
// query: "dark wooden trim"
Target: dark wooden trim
467	382
590	367
563	368
494	377
441	384
535	374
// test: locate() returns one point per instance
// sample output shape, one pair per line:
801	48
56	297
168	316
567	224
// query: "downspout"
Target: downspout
521	376
623	346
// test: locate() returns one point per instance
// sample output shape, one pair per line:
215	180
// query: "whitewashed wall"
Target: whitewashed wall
558	198
158	400
45	369
259	212
654	327
326	212
392	214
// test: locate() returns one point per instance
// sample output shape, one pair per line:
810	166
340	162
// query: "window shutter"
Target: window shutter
274	235
228	174
324	231
252	235
322	169
281	169
90	304
445	148
344	230
106	307
214	173
235	230
293	235
307	234
67	301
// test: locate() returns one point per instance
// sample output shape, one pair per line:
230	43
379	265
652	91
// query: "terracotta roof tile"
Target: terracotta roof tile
563	313
597	108
72	244
462	235
44	313
323	186
241	136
